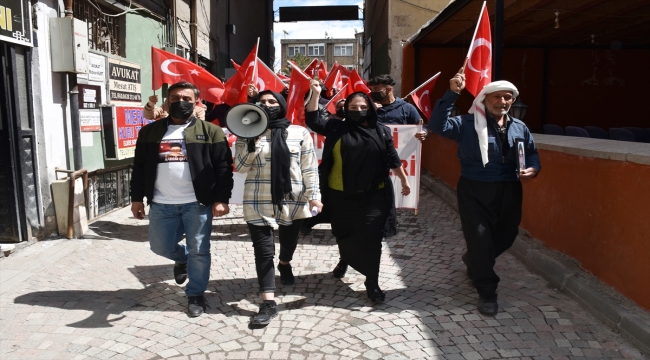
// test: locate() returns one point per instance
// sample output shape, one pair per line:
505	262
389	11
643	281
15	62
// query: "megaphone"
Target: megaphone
247	120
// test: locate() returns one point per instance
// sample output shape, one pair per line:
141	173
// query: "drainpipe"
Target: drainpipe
194	31
68	8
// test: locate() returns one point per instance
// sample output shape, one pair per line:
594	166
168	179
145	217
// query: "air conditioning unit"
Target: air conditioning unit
69	45
175	50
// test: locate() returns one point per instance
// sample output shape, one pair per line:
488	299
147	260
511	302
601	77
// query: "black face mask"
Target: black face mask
181	109
377	96
340	113
356	117
273	111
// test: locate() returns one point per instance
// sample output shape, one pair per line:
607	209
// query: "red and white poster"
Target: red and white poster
128	122
407	146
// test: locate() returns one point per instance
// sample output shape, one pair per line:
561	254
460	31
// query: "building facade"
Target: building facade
72	69
347	52
387	25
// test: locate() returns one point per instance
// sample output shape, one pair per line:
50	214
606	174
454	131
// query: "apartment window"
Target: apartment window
317	50
343	50
349	67
296	49
103	29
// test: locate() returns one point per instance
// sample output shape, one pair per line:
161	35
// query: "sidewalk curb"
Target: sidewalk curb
563	272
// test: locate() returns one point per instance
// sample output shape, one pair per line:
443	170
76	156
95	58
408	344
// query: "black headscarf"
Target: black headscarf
363	150
280	155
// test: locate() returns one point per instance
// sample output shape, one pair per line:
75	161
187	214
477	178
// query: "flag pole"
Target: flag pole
480	16
421	85
257	49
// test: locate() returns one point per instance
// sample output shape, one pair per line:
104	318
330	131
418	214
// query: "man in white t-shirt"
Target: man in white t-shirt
183	166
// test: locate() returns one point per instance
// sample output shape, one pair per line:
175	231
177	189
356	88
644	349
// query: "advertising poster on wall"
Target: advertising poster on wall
128	122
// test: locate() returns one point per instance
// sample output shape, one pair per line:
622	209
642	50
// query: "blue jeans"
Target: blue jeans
168	223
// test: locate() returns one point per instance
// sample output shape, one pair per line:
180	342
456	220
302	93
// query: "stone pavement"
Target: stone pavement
107	296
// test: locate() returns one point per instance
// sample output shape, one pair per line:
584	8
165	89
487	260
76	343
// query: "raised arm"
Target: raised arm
441	121
313	118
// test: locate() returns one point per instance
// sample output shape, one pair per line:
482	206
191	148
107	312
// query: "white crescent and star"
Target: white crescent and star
359	82
165	67
479	42
426	93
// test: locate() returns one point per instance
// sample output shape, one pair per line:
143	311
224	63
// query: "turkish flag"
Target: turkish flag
298	87
357	83
478	71
345	74
169	68
236	88
310	70
341	95
282	77
421	95
338	81
322	71
331	80
267	79
235	65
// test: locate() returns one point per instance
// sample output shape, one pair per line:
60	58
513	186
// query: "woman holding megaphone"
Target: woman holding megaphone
281	190
358	194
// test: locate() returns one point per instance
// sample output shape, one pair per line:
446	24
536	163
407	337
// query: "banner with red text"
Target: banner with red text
407	146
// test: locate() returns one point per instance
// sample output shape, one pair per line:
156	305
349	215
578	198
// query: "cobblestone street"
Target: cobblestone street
108	296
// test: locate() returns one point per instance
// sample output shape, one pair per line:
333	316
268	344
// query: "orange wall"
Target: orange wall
594	210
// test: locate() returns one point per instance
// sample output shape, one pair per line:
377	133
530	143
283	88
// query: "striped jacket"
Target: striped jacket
258	209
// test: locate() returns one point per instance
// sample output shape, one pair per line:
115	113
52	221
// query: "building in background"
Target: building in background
387	24
347	52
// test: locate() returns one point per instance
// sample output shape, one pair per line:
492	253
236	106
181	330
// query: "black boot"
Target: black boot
488	306
268	310
340	269
180	273
374	292
286	275
195	305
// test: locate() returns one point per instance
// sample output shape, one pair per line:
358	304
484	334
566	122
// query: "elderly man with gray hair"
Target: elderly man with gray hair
489	191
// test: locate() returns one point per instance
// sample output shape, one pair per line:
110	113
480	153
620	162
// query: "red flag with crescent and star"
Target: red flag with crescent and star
341	95
331	80
310	70
357	82
322	71
170	69
236	88
267	79
298	87
478	71
422	95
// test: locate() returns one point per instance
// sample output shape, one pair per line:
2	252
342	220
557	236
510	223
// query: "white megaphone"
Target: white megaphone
247	120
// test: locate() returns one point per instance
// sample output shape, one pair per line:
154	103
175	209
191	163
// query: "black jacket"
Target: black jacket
333	130
208	155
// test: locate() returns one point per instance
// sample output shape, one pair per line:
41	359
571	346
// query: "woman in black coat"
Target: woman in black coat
357	192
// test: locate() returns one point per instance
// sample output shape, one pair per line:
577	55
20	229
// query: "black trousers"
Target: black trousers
264	248
490	213
358	223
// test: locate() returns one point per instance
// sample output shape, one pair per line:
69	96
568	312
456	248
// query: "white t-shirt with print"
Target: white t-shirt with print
173	180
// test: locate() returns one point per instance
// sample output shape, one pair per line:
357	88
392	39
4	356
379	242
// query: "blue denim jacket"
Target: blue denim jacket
461	129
